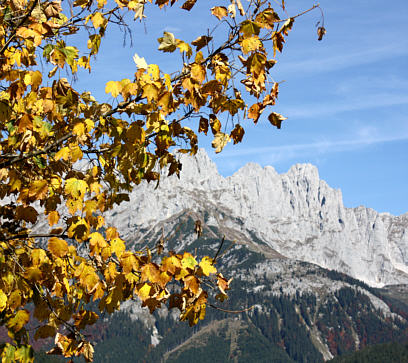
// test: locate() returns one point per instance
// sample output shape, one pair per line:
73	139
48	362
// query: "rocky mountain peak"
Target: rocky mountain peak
295	213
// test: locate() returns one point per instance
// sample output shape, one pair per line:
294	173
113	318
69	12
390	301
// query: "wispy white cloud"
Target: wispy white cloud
363	138
340	59
172	29
367	84
332	107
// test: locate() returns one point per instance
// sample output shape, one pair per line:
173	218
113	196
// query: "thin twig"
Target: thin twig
231	311
219	249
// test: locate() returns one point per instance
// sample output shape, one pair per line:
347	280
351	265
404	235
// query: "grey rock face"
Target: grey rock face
295	213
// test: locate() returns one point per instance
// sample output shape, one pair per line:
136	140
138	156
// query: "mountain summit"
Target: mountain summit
295	213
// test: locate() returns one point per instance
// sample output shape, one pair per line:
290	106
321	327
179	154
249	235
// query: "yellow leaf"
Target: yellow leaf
130	89
250	44
207	267
167	80
89	278
215	124
154	71
95	187
198	72
63	153
110	272
170	264
33	274
111	233
101	222
184	47
90	207
220	141
79	230
267	18
19	320
76	188
38	256
14	300
219	11
164	278
188	261
33	78
97	242
118	246
27	33
85	317
79	129
87	351
58	247
106	253
98	20
151	92
128	262
74	205
114	88
3	300
89	124
150	272
144	291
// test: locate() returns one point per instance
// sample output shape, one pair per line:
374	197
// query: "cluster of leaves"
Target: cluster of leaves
70	158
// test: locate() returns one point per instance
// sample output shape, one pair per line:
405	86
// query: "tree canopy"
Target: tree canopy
66	158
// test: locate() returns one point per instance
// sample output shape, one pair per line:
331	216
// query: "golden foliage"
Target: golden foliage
47	126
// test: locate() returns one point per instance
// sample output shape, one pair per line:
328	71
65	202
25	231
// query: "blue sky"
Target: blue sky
346	97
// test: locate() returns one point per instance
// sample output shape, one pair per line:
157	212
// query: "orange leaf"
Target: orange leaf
276	119
58	247
38	189
237	133
25	122
203	126
53	218
191	283
188	5
201	42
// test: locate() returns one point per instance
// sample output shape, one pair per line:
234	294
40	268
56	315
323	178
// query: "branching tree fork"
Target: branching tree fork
47	127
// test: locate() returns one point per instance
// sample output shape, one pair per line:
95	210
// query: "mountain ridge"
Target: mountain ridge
295	213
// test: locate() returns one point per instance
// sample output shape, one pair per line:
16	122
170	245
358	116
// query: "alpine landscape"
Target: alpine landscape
312	279
139	219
